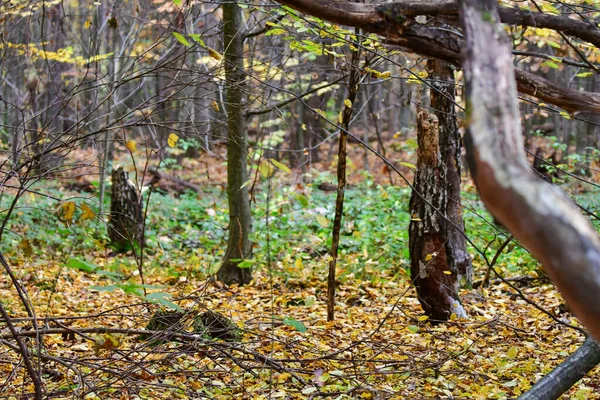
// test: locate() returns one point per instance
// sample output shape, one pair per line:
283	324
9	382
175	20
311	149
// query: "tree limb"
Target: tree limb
387	21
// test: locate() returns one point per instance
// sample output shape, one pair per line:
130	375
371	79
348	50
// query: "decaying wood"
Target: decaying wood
126	213
175	183
434	275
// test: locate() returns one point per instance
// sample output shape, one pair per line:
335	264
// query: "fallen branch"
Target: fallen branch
565	375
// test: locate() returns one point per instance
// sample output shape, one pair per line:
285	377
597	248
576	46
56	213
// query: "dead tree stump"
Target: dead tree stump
126	217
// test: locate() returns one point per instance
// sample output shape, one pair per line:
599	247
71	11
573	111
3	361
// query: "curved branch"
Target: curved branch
390	21
370	17
541	216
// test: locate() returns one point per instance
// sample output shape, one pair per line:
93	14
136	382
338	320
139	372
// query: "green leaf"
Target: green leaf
246	264
162	299
302	199
551	64
280	166
412	143
107	288
81	265
181	39
413	328
275	31
552	43
584	74
297	325
177	2
196	38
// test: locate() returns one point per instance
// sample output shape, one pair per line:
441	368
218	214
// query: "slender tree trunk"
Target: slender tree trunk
353	86
240	222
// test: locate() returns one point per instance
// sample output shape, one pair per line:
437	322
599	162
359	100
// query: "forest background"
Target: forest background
131	129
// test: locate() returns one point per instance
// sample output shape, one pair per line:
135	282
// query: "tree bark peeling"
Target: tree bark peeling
433	270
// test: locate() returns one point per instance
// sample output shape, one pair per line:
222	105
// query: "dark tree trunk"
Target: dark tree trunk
567	374
443	100
240	222
434	274
126	216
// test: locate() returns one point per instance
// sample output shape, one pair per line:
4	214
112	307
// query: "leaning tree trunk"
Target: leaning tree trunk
433	270
538	214
541	216
126	213
443	101
240	223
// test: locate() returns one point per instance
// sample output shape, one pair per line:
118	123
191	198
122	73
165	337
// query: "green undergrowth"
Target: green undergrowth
187	235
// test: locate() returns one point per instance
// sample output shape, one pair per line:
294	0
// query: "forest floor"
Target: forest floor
93	304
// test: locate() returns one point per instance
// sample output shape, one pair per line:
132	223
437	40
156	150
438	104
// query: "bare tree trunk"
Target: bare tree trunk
434	276
353	87
443	101
240	222
126	213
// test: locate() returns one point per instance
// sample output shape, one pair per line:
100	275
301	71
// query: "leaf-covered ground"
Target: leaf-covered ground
92	307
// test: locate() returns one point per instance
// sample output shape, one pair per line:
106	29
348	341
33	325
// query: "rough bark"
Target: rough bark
126	213
240	222
538	214
443	101
567	374
433	271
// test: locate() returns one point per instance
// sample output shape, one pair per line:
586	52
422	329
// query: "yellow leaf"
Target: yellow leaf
323	221
565	115
214	54
280	166
215	105
409	165
303	127
397	135
68	211
321	113
423	318
172	140
298	263
341	117
448	272
429	256
87	212
87	24
265	168
131	145
423	74
348	103
284	377
385	74
105	342
512	352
